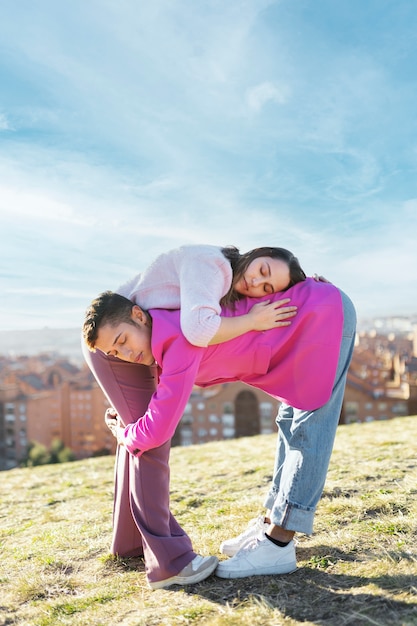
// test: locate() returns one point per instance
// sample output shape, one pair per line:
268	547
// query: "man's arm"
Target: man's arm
180	365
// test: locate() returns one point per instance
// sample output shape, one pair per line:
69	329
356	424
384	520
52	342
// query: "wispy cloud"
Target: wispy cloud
266	92
5	123
130	128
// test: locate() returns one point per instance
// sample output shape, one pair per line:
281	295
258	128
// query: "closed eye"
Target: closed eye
266	271
119	341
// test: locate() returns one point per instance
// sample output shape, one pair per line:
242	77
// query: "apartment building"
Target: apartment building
45	398
224	412
382	381
42	400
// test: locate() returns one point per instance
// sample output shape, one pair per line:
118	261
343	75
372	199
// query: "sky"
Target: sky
128	128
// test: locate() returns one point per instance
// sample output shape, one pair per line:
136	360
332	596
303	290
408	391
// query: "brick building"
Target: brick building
224	412
45	398
381	383
42	399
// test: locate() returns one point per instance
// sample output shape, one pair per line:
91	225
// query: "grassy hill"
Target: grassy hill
359	567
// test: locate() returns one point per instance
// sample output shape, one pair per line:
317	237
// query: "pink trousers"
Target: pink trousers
142	521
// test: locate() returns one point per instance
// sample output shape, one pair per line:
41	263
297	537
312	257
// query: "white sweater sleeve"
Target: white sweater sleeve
190	278
204	281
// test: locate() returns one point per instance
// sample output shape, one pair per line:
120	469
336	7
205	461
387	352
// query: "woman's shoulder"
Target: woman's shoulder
199	258
201	251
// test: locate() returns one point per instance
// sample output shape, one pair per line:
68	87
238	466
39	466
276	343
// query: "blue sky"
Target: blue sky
128	128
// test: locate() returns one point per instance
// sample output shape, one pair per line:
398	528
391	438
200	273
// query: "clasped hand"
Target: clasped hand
112	420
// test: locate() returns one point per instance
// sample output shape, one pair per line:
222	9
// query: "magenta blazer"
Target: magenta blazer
295	364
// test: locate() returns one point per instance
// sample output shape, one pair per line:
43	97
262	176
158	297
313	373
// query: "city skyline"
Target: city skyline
127	130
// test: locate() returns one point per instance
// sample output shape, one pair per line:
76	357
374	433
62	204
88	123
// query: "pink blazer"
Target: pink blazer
295	364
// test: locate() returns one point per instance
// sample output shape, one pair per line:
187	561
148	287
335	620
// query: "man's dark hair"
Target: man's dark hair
108	308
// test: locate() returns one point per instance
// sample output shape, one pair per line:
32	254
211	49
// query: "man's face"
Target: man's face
128	342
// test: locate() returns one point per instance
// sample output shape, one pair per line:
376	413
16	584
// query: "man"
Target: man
303	365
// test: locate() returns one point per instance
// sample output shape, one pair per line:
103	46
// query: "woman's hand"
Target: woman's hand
266	315
262	316
321	279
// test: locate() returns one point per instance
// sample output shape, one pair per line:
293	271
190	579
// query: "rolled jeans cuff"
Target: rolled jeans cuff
290	516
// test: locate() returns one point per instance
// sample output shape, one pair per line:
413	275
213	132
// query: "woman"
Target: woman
196	279
199	279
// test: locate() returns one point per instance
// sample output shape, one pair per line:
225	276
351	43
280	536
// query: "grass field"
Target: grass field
359	567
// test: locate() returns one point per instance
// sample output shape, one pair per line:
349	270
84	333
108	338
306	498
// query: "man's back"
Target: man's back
296	363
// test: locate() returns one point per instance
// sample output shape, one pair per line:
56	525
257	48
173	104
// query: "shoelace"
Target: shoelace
248	547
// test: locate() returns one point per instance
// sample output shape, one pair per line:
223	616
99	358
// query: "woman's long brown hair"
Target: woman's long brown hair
240	263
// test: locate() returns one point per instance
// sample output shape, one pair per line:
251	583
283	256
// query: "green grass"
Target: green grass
359	567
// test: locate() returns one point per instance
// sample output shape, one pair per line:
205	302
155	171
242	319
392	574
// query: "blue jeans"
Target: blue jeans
305	443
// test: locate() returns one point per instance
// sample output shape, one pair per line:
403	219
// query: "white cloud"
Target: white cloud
5	123
143	126
263	93
410	208
32	204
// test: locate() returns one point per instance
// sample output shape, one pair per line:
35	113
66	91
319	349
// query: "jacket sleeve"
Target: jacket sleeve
180	365
203	283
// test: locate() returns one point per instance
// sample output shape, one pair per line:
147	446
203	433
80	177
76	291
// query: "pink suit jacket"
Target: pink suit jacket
295	364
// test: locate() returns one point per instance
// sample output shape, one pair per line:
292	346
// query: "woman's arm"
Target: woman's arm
262	316
204	280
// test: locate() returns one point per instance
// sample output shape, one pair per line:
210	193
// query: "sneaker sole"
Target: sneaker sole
185	580
247	573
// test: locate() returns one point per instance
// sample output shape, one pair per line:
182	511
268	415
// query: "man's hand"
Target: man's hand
112	420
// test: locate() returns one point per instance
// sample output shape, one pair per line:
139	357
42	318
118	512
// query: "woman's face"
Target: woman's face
263	275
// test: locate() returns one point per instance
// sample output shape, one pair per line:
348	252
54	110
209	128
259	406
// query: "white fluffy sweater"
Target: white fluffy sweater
190	278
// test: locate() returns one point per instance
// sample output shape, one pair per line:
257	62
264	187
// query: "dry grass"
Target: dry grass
359	568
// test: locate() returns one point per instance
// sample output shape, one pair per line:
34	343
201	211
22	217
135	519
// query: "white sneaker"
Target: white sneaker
259	556
198	569
256	528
